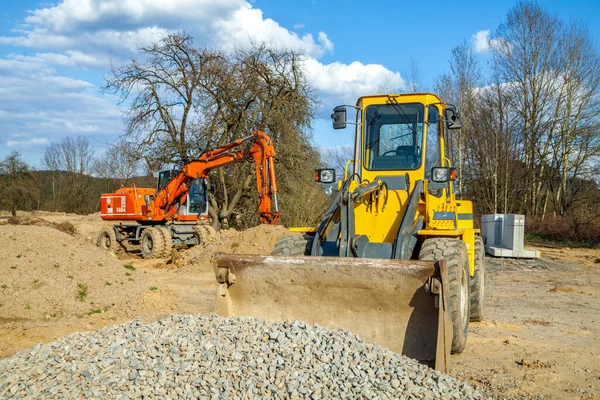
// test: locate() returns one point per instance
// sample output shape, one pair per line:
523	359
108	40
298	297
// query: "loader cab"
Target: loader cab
400	135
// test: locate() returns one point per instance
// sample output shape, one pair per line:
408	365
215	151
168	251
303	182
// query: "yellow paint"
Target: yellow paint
303	229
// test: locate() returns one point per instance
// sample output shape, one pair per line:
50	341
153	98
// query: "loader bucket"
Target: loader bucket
399	304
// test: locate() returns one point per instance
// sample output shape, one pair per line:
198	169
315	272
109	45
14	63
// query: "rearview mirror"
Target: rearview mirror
452	118
339	117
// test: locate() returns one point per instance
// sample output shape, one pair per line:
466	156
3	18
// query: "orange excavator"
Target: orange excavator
175	213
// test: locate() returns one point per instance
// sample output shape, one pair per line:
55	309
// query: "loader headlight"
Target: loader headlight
325	175
439	174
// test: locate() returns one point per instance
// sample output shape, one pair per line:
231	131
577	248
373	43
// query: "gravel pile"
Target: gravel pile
195	356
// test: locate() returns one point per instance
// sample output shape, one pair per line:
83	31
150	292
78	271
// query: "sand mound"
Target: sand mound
64	226
258	240
50	274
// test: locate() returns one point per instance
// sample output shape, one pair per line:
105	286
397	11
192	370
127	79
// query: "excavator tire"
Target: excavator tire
478	282
168	241
454	252
295	245
152	243
204	233
107	240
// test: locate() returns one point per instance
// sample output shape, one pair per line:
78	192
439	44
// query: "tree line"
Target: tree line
530	141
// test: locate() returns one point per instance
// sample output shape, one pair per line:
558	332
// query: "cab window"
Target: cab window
432	150
393	136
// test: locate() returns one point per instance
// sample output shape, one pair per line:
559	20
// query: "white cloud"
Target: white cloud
102	28
38	106
346	82
481	41
30	142
35	102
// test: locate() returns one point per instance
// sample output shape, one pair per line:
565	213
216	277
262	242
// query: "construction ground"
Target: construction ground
540	339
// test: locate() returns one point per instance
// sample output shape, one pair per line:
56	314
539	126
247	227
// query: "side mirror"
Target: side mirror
339	117
325	175
452	118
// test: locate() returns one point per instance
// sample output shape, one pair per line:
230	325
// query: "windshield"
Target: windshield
198	197
393	136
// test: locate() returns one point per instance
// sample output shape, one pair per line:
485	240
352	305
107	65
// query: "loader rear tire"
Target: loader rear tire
454	252
152	243
478	282
107	240
296	245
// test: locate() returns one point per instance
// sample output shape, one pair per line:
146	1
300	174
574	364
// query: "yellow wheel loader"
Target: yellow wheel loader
396	259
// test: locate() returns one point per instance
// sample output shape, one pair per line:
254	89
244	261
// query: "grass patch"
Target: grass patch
107	283
94	311
129	267
69	276
19	255
153	288
82	289
28	307
56	265
127	274
4	286
13	267
100	264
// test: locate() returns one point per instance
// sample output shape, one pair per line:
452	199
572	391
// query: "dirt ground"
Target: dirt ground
540	339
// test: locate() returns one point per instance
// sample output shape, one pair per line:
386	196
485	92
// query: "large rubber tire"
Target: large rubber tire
478	282
167	240
454	252
205	234
107	240
152	243
296	245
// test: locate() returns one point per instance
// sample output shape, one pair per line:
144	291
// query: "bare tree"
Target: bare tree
575	150
70	161
183	100
459	87
526	55
117	162
413	76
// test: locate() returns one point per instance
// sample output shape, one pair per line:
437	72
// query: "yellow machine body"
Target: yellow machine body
358	270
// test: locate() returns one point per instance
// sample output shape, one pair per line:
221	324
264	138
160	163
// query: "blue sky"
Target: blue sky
53	55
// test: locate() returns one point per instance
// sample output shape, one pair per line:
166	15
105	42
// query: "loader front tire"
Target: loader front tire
152	243
107	240
296	245
454	252
478	282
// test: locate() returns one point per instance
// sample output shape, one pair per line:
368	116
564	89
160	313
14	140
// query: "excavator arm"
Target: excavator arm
259	150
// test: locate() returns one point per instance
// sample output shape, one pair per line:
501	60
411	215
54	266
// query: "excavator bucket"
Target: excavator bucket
399	304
